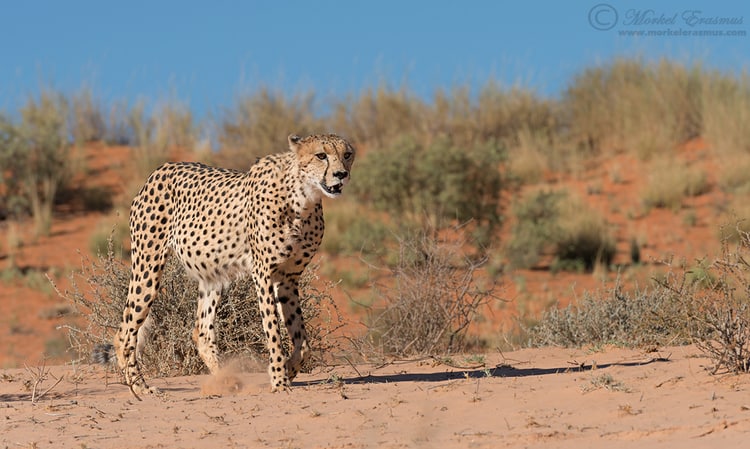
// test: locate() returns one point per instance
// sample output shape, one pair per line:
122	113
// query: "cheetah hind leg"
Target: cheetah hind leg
124	348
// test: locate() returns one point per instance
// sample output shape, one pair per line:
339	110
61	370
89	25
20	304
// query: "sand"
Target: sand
552	397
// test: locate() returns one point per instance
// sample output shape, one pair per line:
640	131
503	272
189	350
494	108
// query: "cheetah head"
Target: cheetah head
325	162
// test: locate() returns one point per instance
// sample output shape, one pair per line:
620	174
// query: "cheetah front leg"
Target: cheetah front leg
204	334
267	307
290	311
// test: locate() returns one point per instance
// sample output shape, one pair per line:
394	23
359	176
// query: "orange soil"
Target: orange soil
613	187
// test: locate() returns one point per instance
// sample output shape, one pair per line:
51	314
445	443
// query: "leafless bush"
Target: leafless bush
432	302
99	292
716	304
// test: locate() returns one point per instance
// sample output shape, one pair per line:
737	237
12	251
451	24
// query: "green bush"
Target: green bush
433	181
535	228
553	223
36	158
350	231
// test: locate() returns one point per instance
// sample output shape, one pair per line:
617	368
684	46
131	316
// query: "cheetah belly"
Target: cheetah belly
214	266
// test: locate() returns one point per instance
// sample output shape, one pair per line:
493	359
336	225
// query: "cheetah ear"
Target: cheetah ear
294	141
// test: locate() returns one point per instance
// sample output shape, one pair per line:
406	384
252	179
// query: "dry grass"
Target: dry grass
99	292
670	181
528	161
631	105
259	123
726	111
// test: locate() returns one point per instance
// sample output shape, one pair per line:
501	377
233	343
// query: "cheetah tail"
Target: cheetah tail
103	353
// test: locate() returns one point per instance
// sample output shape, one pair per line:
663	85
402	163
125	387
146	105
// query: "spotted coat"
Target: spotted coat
221	224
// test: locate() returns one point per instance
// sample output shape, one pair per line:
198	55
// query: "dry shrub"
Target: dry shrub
99	291
432	302
707	304
716	304
614	316
87	121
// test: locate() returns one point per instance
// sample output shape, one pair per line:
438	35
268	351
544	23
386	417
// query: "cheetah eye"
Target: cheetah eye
348	155
321	156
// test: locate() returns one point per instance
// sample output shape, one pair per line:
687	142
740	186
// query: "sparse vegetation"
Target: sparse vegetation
434	298
716	307
706	304
454	164
614	316
100	290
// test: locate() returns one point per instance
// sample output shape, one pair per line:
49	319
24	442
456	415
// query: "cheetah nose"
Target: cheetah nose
341	174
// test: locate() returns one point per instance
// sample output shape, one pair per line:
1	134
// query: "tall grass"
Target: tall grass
634	106
258	124
670	181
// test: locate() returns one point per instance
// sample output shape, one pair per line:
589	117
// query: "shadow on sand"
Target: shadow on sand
502	370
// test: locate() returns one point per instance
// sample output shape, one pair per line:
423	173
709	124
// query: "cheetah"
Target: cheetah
222	224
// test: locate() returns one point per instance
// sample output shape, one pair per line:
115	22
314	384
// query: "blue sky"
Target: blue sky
207	52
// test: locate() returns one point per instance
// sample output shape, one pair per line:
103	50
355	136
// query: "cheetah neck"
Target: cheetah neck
304	197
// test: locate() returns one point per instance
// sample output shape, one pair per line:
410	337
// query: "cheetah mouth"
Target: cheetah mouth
331	190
